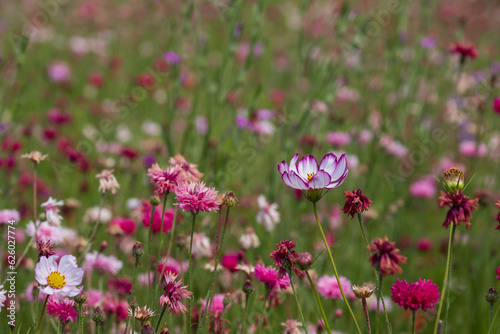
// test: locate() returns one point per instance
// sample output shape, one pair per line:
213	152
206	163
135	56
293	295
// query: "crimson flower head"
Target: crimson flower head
45	248
164	180
497	204
496	105
464	50
196	197
312	179
63	309
461	207
355	202
422	294
174	293
269	276
385	257
285	257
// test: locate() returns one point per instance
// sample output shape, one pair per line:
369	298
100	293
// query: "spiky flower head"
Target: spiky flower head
363	291
35	156
285	257
385	257
460	207
174	293
419	295
355	203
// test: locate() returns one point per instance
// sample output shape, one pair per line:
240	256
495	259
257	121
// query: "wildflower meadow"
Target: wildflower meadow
230	166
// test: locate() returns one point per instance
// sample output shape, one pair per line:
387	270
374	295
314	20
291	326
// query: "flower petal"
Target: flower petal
297	181
282	167
328	163
320	180
293	163
286	179
44	268
340	169
337	182
48	290
307	165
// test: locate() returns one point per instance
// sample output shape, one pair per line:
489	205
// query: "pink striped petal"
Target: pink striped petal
282	167
286	179
340	169
297	181
293	163
307	165
320	180
338	182
328	163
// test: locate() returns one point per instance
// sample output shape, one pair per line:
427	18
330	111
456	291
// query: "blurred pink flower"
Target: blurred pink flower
269	276
268	214
106	264
188	172
164	180
338	138
470	148
329	288
201	245
7	215
59	72
217	303
171	265
145	213
424	187
496	105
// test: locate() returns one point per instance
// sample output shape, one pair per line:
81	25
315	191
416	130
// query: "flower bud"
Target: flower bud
147	329
247	287
42	217
454	179
98	315
154	200
226	300
304	260
138	249
81	298
230	200
491	295
103	246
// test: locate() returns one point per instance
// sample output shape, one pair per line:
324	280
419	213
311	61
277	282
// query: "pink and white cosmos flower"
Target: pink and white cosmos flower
308	176
59	279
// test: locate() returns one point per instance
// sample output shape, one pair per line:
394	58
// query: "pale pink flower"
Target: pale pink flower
164	180
106	264
291	326
188	172
8	215
249	239
52	211
60	279
371	302
107	181
172	265
146	278
196	197
335	217
45	232
94	298
347	94
201	245
365	136
268	214
329	288
59	72
217	304
92	215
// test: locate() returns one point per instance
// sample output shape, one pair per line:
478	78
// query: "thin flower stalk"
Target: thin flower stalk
190	276
160	317
316	295
262	312
297	300
42	314
334	267
413	321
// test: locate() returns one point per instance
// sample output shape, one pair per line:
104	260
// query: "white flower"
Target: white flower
59	279
91	215
249	240
107	181
201	245
268	214
52	211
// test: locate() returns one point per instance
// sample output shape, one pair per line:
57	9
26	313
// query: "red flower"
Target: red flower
422	294
496	105
284	257
497	204
385	257
464	50
498	273
461	207
356	202
121	285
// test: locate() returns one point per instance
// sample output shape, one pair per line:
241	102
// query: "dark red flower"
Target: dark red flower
496	105
497	204
96	79
285	257
385	257
464	50
356	202
44	248
56	116
121	285
461	207
422	294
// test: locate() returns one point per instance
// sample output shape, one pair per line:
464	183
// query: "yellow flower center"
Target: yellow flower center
56	280
309	176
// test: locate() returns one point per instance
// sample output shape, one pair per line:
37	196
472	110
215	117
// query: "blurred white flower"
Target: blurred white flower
268	214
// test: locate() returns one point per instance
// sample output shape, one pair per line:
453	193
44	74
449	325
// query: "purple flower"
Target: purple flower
308	176
172	58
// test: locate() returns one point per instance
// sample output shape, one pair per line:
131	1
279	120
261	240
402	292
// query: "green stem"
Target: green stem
43	312
335	268
97	327
490	318
445	283
245	318
316	295
363	230
413	317
93	234
160	317
493	321
297	301
60	328
268	292
80	317
190	271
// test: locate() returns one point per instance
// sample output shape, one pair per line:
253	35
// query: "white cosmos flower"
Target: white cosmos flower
59	279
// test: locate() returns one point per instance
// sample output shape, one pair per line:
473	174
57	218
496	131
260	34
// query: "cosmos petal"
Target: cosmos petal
307	165
320	180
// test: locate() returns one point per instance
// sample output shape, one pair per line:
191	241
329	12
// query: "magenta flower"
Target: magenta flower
498	273
217	304
422	294
174	293
164	180
59	279
497	204
269	276
311	178
62	309
196	197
